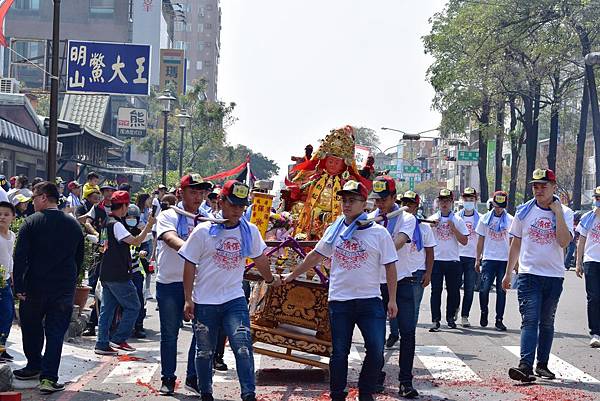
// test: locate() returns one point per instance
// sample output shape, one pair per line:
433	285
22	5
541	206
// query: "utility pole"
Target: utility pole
53	131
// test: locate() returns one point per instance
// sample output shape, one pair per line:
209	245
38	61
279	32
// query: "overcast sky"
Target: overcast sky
297	69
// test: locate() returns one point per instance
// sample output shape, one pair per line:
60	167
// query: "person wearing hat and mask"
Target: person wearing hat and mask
401	229
419	254
541	229
450	231
467	253
118	288
215	259
588	263
172	230
492	255
358	255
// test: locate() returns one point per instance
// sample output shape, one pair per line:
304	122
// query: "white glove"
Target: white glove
92	238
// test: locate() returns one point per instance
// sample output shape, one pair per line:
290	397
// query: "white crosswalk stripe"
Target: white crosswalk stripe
563	370
443	364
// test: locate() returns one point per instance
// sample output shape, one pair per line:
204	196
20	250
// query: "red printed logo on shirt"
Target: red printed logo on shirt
444	233
594	233
228	254
542	231
351	254
471	230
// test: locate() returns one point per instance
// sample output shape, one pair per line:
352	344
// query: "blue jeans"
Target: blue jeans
369	316
7	312
570	252
45	316
171	299
592	288
115	293
451	271
468	278
394	330
234	319
418	291
492	271
538	298
138	280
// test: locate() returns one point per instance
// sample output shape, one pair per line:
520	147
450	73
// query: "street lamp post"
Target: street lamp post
53	129
166	100
183	117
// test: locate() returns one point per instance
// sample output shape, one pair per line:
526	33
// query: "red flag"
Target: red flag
228	173
4	6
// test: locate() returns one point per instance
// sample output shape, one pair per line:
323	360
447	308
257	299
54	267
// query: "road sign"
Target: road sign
132	122
411	169
172	69
411	183
468	156
103	67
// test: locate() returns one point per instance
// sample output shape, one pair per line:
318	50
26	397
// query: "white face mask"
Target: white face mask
469	206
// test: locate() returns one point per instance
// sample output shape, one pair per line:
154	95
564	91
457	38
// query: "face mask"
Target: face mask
597	203
131	222
469	205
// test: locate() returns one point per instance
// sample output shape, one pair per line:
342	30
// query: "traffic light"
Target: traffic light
450	158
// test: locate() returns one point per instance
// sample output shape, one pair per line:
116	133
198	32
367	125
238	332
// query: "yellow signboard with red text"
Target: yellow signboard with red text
261	211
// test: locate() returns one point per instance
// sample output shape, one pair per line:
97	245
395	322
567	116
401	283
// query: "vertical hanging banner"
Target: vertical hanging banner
104	67
172	69
361	153
261	211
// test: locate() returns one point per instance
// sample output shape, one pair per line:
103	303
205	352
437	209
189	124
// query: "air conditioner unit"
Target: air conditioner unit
9	85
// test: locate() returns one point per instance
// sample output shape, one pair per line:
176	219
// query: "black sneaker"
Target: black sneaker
500	326
380	386
191	384
168	386
483	320
90	331
365	397
207	397
435	328
542	371
523	374
391	341
220	365
408	391
139	333
48	386
247	397
26	374
6	357
339	397
108	350
452	325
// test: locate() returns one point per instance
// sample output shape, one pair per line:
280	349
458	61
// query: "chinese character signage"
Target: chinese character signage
361	153
261	211
132	122
102	67
172	69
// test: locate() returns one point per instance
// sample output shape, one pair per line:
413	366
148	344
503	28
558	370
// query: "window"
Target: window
207	63
201	12
179	26
102	7
209	7
200	45
180	44
200	27
29	5
198	65
208	26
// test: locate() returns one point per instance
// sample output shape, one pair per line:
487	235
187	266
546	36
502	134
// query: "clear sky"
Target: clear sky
297	69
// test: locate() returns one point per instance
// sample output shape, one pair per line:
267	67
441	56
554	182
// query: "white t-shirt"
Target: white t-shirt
170	264
404	224
3	195
220	264
156	202
470	250
7	247
356	264
591	252
447	245
409	256
120	232
496	244
73	201
540	252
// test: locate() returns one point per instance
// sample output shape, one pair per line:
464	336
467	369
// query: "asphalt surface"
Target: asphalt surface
461	364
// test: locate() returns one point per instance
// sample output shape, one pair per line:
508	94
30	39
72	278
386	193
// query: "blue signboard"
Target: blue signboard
102	67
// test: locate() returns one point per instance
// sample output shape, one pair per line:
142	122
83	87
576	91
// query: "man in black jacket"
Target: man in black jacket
45	273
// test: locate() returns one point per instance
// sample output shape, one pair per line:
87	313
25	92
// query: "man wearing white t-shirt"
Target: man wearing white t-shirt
449	231
467	253
358	255
492	248
401	228
172	230
541	229
215	260
588	264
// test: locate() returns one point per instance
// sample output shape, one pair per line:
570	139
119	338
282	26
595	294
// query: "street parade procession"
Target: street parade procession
299	200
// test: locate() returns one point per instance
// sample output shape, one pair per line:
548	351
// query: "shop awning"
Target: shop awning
33	140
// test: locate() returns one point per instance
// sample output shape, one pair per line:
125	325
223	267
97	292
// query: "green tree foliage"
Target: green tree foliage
366	137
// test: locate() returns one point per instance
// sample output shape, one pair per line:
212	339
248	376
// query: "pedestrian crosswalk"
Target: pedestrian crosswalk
143	366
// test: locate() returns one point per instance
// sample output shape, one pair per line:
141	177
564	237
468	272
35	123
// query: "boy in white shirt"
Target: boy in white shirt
215	260
588	263
358	255
492	248
541	230
7	245
449	231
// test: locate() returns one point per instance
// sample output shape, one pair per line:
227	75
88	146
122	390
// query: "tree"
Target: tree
366	137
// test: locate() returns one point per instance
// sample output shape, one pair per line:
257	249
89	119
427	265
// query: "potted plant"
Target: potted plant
82	291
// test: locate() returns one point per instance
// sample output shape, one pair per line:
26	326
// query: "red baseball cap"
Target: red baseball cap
195	181
410	196
354	187
543	175
120	197
72	185
500	198
383	186
236	193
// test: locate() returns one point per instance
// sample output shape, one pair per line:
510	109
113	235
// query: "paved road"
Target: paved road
462	364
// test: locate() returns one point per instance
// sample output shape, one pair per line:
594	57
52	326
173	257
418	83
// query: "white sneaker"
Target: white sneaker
595	341
464	321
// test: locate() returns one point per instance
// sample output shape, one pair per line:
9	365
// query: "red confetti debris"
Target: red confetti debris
147	385
129	358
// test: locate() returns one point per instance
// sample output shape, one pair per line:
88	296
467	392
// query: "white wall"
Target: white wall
147	18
